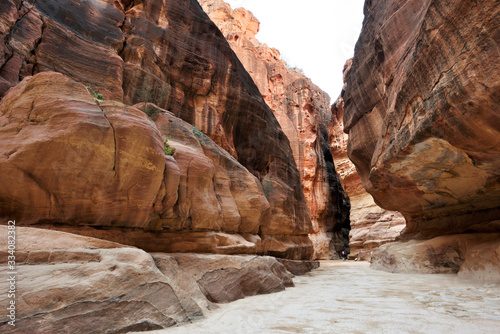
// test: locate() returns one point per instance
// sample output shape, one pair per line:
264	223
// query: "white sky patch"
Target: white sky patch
317	36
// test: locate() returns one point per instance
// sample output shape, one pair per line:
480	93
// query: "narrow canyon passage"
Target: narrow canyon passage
349	297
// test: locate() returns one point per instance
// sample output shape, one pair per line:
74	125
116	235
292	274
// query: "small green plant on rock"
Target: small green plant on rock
198	134
97	96
169	150
151	110
151	92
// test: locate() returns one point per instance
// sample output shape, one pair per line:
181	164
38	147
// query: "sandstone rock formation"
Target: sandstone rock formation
371	226
299	267
83	285
103	165
472	256
76	284
303	111
165	52
224	279
421	110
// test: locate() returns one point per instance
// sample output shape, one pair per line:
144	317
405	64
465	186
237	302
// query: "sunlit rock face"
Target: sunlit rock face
421	111
168	53
99	168
303	111
371	226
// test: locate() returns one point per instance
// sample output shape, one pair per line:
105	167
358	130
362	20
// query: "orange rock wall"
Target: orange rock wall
371	226
303	111
171	54
421	110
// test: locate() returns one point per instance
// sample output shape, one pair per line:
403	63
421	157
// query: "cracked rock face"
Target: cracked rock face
72	162
168	53
421	110
67	159
303	111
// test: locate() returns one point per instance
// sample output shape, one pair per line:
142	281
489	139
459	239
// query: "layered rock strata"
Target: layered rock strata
371	226
71	283
303	111
421	110
103	169
224	279
165	52
473	256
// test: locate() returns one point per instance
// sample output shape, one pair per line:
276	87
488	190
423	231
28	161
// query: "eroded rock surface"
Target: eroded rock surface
103	169
421	110
224	279
472	256
371	226
168	53
303	111
299	267
71	283
66	282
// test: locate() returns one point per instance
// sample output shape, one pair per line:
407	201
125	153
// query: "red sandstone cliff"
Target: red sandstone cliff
421	111
371	226
71	162
303	111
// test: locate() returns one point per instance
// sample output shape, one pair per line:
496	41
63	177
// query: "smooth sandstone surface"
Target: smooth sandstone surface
224	279
329	300
71	283
474	256
103	173
168	53
303	111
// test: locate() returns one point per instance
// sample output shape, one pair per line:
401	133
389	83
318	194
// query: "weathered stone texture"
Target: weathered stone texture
371	226
474	256
168	53
94	167
77	284
303	111
421	110
224	279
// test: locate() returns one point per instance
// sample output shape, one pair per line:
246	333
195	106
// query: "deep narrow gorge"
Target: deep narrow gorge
157	160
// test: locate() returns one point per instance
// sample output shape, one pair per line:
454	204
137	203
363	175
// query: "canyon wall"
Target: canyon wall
421	110
303	111
371	226
73	162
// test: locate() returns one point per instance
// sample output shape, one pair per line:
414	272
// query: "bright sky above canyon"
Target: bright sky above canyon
316	35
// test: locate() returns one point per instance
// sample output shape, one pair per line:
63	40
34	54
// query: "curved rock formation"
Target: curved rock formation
171	54
473	256
66	282
122	289
421	110
303	111
224	279
371	226
103	169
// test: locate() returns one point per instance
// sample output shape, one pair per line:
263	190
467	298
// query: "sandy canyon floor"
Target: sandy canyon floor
349	297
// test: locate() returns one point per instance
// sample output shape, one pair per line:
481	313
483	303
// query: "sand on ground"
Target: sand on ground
350	297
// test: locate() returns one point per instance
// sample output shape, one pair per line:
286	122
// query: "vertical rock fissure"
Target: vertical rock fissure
114	138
